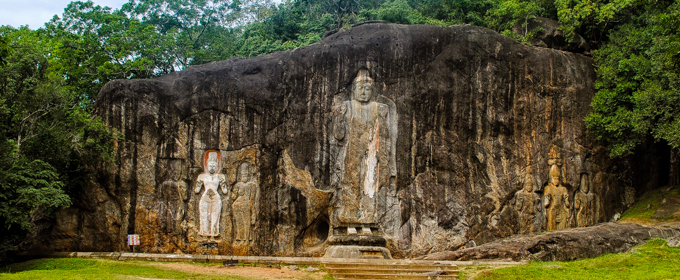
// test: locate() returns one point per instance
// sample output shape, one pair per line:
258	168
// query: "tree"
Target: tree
96	45
639	82
594	19
399	11
193	32
48	140
510	12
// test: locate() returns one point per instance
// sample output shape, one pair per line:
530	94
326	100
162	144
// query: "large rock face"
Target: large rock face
463	135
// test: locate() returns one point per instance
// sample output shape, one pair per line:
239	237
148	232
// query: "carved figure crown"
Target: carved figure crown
212	157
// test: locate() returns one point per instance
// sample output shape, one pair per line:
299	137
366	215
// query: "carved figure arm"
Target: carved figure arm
199	185
254	202
577	203
565	197
182	189
547	200
234	191
223	185
339	121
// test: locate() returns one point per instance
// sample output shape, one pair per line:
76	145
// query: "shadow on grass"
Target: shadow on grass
49	264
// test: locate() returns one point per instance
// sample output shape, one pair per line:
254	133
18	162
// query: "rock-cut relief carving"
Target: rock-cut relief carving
210	204
529	208
363	149
556	195
585	203
246	204
173	192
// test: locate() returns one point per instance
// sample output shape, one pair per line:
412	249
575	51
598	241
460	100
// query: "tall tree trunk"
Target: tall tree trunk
674	172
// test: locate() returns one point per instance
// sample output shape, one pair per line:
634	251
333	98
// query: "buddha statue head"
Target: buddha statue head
362	87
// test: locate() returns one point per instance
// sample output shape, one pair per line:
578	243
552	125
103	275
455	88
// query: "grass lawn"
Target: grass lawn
653	260
72	268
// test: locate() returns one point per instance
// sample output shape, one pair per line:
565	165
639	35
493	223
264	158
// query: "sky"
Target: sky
35	13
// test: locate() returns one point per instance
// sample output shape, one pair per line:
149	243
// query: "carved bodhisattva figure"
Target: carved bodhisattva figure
556	198
245	204
363	141
210	205
585	204
526	202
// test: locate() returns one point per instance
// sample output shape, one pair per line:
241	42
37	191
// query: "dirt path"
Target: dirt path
258	272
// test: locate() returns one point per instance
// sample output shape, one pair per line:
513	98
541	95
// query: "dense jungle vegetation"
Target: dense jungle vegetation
50	77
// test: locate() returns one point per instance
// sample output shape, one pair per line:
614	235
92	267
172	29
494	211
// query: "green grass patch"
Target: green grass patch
653	260
72	268
645	208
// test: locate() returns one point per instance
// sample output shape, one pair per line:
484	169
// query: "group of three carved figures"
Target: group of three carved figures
556	208
243	196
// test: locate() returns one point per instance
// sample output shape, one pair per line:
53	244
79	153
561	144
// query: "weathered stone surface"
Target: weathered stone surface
566	245
456	136
673	241
357	252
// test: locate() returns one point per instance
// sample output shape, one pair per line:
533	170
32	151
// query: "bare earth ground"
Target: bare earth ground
472	271
259	272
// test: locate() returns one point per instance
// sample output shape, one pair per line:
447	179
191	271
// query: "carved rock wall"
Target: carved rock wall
484	125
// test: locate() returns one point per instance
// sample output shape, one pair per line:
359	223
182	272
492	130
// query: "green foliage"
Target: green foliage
94	46
185	32
399	11
593	19
29	188
509	12
638	85
653	260
47	136
468	11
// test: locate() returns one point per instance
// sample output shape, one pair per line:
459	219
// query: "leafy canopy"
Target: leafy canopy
48	140
639	82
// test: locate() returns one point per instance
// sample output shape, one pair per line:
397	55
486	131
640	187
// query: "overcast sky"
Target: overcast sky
35	13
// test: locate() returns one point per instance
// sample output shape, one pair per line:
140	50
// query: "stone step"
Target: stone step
391	269
383	266
369	276
398	270
391	262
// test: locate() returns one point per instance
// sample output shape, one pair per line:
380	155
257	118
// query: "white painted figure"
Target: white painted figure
210	205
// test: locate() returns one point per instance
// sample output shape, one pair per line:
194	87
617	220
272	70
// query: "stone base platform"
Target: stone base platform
359	240
357	252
